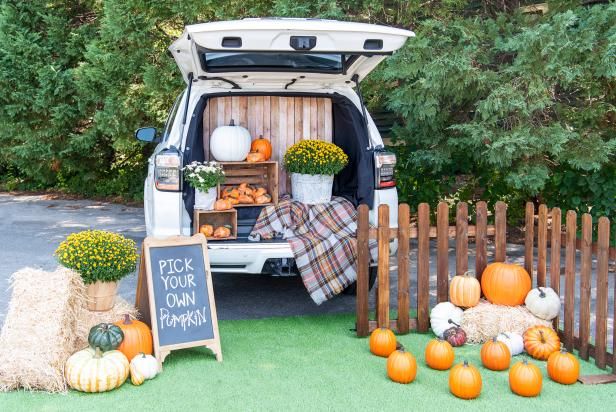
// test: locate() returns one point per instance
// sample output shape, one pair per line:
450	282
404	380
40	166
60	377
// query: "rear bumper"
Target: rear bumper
245	256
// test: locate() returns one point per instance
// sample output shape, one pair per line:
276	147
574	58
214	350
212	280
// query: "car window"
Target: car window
171	117
254	61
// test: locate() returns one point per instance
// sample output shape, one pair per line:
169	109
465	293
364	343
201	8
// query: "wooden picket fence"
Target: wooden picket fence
537	226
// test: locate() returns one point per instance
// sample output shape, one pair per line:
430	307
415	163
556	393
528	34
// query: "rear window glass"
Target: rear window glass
254	61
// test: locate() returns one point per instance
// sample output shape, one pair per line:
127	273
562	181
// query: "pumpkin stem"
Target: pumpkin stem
541	292
232	122
525	362
98	353
494	339
542	337
468	273
451	321
127	319
465	363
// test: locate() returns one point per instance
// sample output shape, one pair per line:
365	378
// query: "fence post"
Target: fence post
461	238
481	239
423	267
383	268
586	272
542	245
404	229
555	256
442	252
570	279
500	238
529	238
603	245
363	263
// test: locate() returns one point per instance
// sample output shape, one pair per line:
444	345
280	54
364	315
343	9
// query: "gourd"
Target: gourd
495	355
540	342
246	199
443	316
206	230
262	145
439	354
230	143
222	204
544	303
382	342
464	290
465	381
455	335
137	337
514	341
505	284
222	232
106	336
401	366
92	370
254	157
263	199
563	367
259	191
525	379
143	367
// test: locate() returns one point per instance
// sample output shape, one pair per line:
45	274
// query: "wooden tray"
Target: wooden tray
255	174
216	218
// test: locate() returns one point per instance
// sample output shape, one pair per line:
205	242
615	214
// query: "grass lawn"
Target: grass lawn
309	363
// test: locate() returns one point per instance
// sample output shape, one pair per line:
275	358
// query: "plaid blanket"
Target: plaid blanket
323	241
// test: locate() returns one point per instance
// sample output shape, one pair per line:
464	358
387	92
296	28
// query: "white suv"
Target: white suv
286	79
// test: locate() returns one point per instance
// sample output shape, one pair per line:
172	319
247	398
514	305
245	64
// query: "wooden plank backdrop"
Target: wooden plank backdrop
543	230
282	120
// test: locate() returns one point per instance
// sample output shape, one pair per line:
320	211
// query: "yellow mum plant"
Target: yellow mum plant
98	255
315	157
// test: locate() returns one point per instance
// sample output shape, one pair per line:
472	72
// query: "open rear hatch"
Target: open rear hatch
271	50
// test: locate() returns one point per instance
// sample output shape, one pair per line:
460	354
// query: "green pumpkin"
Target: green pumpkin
105	336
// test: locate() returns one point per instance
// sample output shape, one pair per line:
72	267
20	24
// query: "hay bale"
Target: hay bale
486	320
47	321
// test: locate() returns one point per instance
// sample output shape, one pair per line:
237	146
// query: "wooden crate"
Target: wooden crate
216	218
255	174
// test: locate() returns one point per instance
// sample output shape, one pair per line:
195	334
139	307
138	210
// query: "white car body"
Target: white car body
165	214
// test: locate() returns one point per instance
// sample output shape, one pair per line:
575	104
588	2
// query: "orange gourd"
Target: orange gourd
206	230
439	354
222	232
222	204
505	284
262	146
263	199
495	355
401	366
254	157
382	342
137	337
563	367
464	290
540	342
246	199
465	381
259	191
525	379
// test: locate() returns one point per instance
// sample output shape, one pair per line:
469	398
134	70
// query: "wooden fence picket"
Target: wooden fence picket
423	267
500	238
555	250
529	238
585	273
404	219
442	252
570	279
461	238
481	239
363	267
542	245
601	304
383	267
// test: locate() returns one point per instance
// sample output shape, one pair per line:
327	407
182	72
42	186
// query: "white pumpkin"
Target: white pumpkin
143	367
514	341
544	303
230	143
91	370
444	316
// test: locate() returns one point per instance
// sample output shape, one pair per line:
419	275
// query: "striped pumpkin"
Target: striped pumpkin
91	370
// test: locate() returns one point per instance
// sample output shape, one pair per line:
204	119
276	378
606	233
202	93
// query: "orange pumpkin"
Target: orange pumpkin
245	189
401	366
137	337
263	146
206	230
263	199
495	355
464	290
439	354
259	191
254	157
525	379
246	199
540	342
505	284
222	232
563	367
382	342
465	381
222	204
233	201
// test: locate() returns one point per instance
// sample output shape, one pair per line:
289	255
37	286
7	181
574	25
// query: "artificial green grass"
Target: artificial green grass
309	363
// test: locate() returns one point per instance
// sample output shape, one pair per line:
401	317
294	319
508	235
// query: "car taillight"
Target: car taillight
168	170
384	164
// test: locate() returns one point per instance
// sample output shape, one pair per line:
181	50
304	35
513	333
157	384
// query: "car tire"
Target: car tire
352	288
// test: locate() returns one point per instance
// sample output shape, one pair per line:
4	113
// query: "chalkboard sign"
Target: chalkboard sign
175	295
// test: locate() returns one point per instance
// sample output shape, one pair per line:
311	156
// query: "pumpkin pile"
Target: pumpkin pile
220	232
244	194
114	352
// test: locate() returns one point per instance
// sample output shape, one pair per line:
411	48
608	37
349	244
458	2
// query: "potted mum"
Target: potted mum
102	259
205	178
313	164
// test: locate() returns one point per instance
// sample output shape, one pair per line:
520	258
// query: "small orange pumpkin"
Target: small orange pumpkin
464	290
382	342
525	379
206	230
439	354
263	199
262	145
401	366
254	157
222	232
540	342
495	355
259	191
246	199
465	381
137	337
563	367
505	284
222	204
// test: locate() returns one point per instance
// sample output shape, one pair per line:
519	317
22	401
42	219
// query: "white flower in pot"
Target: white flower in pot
205	178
